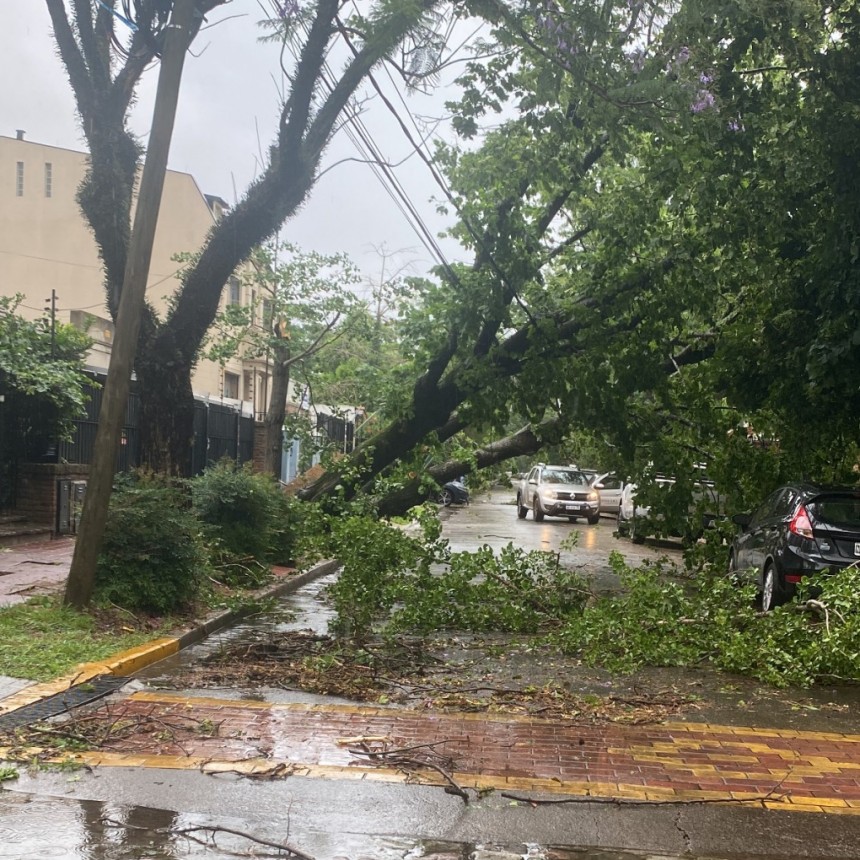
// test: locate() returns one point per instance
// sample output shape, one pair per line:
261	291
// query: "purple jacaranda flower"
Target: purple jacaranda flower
734	125
704	100
288	8
705	78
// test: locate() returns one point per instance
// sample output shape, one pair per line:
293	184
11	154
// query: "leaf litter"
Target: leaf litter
462	673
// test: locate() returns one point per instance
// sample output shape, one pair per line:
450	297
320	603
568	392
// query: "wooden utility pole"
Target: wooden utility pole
79	586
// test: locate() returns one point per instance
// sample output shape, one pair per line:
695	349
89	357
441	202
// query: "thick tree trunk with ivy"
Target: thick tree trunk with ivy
166	416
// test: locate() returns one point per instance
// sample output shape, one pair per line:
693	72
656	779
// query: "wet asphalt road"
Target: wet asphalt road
492	520
63	814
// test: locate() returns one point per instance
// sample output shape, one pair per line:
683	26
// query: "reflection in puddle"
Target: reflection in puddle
45	828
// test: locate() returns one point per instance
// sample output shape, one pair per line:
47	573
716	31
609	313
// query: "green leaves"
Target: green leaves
41	371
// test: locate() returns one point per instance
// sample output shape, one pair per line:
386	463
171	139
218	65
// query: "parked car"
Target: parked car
557	491
799	530
637	520
632	516
454	493
610	488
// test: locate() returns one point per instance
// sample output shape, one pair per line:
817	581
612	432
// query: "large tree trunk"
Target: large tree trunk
166	417
498	363
433	406
303	134
307	121
528	440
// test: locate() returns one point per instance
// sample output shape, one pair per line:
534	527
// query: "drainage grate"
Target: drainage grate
59	703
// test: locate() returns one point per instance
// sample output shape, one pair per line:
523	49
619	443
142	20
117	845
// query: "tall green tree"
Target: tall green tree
301	303
42	384
105	66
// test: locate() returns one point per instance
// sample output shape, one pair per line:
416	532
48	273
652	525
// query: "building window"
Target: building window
235	291
231	385
19	179
49	179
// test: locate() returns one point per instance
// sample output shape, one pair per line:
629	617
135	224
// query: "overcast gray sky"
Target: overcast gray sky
227	116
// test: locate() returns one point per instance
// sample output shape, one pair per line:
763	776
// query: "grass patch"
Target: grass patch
42	639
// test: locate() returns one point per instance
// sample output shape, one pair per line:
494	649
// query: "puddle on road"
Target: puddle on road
60	829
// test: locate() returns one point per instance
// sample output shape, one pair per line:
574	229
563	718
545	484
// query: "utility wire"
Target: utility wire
440	181
363	142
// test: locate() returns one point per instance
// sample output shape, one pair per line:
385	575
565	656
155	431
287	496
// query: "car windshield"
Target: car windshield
563	476
841	511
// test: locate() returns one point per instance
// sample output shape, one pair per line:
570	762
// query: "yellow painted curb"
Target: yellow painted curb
599	792
122	664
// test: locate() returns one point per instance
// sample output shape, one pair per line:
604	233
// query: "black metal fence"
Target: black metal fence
336	430
79	449
220	430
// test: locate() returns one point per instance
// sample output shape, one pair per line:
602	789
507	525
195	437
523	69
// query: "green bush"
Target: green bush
405	579
814	638
153	557
661	621
291	520
375	556
241	509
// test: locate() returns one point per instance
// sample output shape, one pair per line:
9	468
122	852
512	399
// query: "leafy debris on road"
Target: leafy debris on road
425	674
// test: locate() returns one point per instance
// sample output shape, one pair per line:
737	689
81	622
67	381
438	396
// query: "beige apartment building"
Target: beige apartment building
45	246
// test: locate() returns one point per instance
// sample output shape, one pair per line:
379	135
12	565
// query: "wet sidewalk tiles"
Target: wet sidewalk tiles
669	762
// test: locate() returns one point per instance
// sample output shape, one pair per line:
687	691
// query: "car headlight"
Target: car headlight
593	496
550	494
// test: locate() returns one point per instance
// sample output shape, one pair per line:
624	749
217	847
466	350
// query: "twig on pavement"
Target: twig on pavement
212	830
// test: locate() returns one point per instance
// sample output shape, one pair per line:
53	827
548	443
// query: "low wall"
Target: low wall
37	489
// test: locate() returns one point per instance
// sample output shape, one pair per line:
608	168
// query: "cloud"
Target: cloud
226	119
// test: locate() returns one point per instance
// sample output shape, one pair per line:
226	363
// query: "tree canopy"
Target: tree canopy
38	361
664	241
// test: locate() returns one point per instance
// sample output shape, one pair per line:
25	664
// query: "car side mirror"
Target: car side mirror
597	486
533	481
742	520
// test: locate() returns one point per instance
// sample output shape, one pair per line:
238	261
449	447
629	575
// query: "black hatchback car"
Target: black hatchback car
799	530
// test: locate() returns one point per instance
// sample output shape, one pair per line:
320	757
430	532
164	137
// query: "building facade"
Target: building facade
48	254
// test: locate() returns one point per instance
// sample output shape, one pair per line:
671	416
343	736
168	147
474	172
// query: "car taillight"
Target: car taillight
801	524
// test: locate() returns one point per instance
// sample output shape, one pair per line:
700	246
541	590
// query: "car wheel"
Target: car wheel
522	510
446	498
539	514
593	521
773	592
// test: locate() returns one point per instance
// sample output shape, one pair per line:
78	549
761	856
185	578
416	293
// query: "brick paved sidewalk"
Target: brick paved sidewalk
29	570
779	769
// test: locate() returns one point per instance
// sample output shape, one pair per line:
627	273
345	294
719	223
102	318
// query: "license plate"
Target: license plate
577	507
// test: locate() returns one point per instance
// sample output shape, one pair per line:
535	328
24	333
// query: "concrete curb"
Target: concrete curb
128	662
